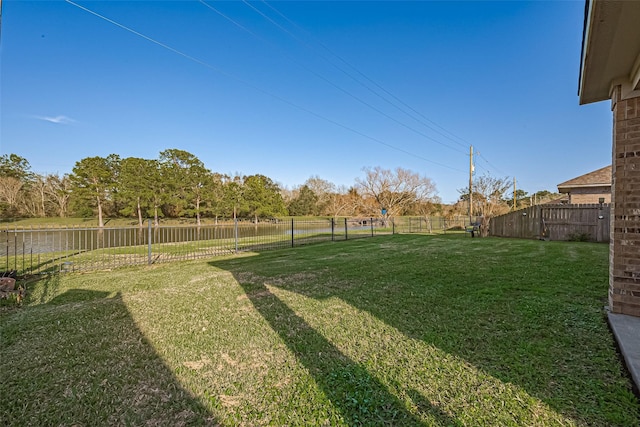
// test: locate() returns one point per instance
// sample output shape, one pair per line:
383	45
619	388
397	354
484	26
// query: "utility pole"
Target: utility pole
470	184
514	193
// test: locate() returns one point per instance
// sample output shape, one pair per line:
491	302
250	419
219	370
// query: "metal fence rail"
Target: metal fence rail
48	250
406	224
51	250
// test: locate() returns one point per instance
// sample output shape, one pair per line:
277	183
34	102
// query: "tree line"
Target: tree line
178	185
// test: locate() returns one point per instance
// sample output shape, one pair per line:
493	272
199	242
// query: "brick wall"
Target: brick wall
580	196
624	269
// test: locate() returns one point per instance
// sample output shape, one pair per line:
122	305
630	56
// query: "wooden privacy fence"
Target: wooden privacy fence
555	222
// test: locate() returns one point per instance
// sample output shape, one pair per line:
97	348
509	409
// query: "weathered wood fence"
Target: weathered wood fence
555	222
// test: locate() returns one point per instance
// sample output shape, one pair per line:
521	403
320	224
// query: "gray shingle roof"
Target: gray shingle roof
597	178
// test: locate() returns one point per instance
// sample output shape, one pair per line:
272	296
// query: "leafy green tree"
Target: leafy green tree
188	178
304	203
262	197
522	199
233	196
544	196
12	165
216	195
16	180
94	180
136	186
158	186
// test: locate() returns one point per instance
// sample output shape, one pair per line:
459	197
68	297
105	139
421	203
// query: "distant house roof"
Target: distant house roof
559	201
597	178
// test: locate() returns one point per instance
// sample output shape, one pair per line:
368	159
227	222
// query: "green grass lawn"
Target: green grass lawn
396	330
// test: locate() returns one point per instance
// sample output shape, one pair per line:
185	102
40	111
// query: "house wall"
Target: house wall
624	265
580	196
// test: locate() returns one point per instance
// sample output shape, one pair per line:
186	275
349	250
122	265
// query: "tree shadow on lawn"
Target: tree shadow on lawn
359	397
81	360
506	352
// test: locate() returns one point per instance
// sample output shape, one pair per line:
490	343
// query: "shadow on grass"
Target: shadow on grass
360	398
81	360
508	325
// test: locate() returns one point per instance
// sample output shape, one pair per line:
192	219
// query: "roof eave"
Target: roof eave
610	53
607	184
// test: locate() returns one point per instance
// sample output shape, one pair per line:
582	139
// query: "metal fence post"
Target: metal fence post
7	231
292	227
149	242
333	226
346	234
235	231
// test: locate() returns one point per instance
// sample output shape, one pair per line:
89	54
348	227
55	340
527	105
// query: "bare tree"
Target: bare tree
488	198
343	201
394	191
38	188
489	195
58	190
10	189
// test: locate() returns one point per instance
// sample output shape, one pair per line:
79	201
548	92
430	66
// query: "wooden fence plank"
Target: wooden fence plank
555	222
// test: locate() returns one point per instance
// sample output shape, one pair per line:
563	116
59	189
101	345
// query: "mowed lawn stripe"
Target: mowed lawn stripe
394	330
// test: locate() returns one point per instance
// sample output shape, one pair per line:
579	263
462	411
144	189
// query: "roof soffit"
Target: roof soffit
611	48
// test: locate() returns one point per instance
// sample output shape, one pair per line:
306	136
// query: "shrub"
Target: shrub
579	237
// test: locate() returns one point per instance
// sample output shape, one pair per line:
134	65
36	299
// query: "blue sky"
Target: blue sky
294	89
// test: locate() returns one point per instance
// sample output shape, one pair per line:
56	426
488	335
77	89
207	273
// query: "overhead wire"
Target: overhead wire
326	80
431	124
453	138
256	88
490	164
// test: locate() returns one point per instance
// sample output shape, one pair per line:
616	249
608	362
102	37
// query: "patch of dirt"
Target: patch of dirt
258	294
197	364
228	359
230	401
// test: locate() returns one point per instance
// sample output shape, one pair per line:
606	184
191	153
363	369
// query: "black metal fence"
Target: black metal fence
46	250
49	250
429	225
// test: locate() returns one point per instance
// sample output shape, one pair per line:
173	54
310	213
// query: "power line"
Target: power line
326	80
492	166
254	87
455	139
231	20
431	124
